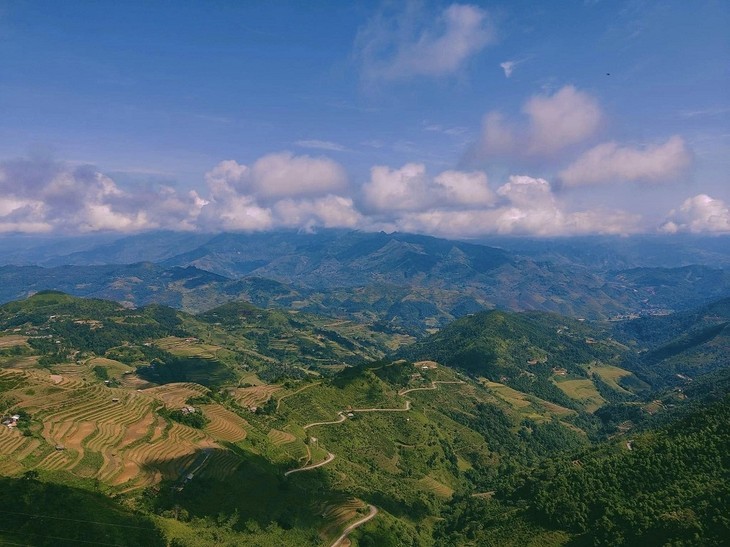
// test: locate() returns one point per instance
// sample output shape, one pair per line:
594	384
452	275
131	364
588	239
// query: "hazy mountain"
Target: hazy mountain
401	282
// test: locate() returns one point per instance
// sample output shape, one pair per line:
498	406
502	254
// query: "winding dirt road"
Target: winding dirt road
431	388
354	525
331	456
337	421
328	459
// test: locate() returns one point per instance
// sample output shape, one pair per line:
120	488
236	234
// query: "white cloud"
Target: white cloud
322	145
411	189
43	195
460	188
410	44
565	118
528	207
397	189
554	122
226	178
38	196
699	214
329	212
278	190
276	176
508	67
285	175
236	213
609	162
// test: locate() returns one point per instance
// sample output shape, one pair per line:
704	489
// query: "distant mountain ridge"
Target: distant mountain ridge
402	282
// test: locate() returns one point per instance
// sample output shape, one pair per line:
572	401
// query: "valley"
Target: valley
247	425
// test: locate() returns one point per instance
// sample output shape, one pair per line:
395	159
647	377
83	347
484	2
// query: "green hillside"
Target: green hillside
301	425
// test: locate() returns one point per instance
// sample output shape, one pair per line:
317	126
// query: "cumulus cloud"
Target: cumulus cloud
553	123
285	175
411	189
397	189
528	207
278	190
42	195
699	214
460	188
402	45
461	204
609	162
328	212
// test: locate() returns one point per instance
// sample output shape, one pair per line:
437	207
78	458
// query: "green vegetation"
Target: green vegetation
37	512
509	429
667	486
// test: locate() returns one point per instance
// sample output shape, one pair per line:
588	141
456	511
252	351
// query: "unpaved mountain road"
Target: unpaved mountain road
354	525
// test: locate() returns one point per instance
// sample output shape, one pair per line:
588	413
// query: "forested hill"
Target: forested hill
664	487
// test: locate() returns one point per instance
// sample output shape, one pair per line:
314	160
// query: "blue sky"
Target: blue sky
453	119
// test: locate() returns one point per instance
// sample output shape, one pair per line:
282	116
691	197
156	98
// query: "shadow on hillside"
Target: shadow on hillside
37	513
239	482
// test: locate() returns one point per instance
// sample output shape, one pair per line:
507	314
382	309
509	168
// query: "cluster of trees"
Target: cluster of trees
670	486
195	419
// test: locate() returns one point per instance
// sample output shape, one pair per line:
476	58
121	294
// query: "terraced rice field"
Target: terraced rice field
187	347
278	437
114	368
292	446
529	404
110	434
175	395
337	515
254	396
222	464
224	424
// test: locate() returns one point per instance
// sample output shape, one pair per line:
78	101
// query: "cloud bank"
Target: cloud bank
283	190
41	195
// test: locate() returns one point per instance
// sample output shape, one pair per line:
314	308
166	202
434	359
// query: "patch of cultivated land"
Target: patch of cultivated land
524	402
187	347
438	488
224	424
114	368
12	340
583	391
113	435
254	395
610	374
336	515
176	394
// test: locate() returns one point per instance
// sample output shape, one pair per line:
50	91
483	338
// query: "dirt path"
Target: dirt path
337	421
354	525
328	459
431	388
